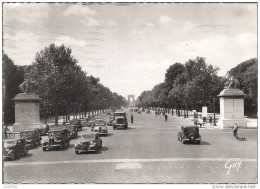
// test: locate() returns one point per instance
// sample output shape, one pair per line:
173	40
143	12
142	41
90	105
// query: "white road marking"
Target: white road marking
11	164
128	166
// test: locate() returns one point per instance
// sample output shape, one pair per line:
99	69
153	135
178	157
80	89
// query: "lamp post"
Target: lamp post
214	100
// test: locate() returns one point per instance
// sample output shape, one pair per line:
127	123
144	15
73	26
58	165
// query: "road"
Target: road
147	152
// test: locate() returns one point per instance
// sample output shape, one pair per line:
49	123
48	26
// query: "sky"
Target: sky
130	46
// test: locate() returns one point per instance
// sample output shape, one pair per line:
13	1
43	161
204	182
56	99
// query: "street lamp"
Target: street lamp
214	100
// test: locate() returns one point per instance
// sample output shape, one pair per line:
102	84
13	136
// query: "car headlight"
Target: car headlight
91	142
7	149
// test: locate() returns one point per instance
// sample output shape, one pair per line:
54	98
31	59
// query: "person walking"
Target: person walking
235	129
166	117
132	118
210	120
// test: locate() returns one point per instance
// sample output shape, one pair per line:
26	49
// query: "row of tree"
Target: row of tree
195	84
61	84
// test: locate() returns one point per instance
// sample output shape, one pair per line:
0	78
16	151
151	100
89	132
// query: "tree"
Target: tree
58	75
13	76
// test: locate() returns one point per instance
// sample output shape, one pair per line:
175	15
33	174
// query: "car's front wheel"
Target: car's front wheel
25	151
76	152
12	156
114	127
43	148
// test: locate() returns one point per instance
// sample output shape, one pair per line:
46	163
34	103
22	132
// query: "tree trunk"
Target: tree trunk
56	113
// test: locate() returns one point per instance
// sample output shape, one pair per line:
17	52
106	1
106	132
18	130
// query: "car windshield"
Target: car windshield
119	114
191	130
9	142
55	133
88	136
98	120
26	134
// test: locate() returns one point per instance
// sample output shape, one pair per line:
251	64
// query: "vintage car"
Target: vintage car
139	111
189	134
120	120
72	129
110	120
58	139
44	129
32	137
99	125
135	109
88	142
14	148
148	111
78	124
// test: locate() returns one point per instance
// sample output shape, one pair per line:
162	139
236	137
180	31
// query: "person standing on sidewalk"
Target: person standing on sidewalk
132	118
235	129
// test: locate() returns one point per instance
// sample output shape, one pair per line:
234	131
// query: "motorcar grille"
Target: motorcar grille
120	121
51	141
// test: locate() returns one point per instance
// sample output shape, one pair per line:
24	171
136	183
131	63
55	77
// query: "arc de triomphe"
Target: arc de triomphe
131	99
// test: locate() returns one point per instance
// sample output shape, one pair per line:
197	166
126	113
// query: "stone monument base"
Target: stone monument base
17	127
229	123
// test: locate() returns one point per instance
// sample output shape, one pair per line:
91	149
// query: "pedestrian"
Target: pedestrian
235	129
132	118
210	120
166	117
200	122
68	117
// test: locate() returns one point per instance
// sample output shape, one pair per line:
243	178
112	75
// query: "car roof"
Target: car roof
27	130
119	112
57	129
13	139
190	126
89	134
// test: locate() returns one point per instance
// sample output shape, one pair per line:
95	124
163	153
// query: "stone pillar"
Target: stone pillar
27	112
231	108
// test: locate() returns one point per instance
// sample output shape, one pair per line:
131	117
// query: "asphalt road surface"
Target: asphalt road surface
147	152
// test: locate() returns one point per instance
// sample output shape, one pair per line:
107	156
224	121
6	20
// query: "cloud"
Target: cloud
164	20
149	24
112	23
26	13
70	42
18	49
225	52
77	10
92	22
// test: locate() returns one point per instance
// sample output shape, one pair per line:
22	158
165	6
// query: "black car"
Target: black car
72	129
78	124
58	139
14	148
32	137
189	134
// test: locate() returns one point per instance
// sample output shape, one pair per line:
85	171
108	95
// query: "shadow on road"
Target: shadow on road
108	135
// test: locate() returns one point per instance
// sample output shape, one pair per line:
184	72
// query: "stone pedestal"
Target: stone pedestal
231	109
27	112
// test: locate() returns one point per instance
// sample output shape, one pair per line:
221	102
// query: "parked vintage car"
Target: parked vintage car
14	148
189	134
120	120
72	129
32	137
58	139
110	121
88	142
139	111
78	124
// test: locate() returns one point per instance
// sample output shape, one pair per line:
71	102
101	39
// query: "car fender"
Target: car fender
10	153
